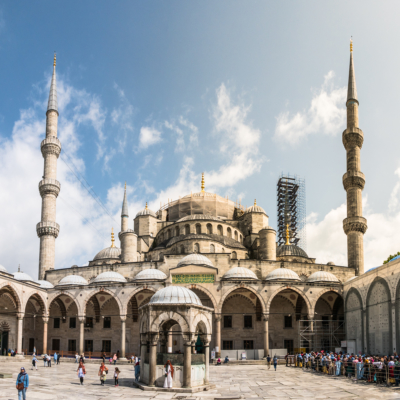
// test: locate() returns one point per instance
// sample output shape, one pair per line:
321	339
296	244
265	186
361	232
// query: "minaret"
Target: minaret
124	213
202	182
49	187
355	225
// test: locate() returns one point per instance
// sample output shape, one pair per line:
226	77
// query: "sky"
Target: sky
155	93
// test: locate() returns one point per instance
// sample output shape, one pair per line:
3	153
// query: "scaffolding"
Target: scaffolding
325	334
291	205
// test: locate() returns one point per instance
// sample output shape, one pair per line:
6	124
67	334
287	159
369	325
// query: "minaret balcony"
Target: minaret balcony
355	224
47	228
49	186
353	179
50	145
352	137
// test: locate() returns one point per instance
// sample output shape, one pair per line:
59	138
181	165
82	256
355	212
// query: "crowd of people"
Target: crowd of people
376	369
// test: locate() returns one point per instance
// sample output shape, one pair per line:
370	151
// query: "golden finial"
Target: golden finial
287	234
351	44
54	63
202	181
146	206
112	237
255	202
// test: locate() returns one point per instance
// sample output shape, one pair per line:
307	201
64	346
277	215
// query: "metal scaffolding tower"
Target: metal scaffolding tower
291	202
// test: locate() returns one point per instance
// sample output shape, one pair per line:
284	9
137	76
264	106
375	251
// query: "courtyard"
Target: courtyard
234	381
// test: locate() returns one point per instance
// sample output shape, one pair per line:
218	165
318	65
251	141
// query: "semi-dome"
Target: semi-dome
73	280
199	216
146	211
283	274
109	276
22	276
290	250
107	253
175	295
3	269
45	284
150	274
255	208
322	276
239	273
195	259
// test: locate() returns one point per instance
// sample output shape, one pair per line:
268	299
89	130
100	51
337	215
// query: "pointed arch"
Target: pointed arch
310	310
42	302
132	307
9	288
205	291
224	297
103	290
56	295
96	306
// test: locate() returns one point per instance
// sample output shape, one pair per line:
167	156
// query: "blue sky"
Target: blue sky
154	93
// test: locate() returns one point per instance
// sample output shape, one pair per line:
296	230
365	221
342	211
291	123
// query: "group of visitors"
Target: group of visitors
12	352
377	369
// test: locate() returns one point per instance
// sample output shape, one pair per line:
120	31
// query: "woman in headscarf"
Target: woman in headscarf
169	374
103	373
81	371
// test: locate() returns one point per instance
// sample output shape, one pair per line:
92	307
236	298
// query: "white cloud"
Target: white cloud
325	115
148	136
183	128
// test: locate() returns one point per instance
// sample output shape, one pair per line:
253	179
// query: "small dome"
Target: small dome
3	269
146	211
239	273
22	276
195	259
290	250
322	276
199	216
175	295
150	274
109	276
331	263
255	208
45	284
107	253
72	280
283	274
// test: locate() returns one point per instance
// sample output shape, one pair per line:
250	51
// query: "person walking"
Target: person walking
81	371
49	360
137	371
104	357
58	358
275	360
34	350
269	361
115	359
55	358
45	360
82	359
76	358
116	375
22	384
34	363
103	373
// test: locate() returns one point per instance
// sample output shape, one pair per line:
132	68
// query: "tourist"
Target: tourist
397	371
116	375
34	350
104	357
58	358
269	361
132	359
118	354
22	384
169	374
103	373
226	360
81	372
137	371
82	359
218	361
34	363
115	359
76	358
55	358
275	360
49	360
45	360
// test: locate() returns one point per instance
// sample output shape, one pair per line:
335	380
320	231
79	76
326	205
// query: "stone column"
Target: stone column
45	326
394	346
364	323
193	347
169	341
218	335
123	337
266	335
187	365
81	334
206	345
153	360
311	319
143	349
20	319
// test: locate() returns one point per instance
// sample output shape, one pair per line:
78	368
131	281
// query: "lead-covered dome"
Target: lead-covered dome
108	253
195	259
255	208
322	276
22	276
45	284
199	216
283	274
175	295
239	273
150	274
3	269
146	211
73	280
290	250
109	276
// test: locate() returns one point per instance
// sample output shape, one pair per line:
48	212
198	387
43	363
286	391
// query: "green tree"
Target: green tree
391	257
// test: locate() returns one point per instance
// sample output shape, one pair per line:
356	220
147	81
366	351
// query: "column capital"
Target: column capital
218	317
310	317
123	318
20	315
154	337
81	319
266	317
45	319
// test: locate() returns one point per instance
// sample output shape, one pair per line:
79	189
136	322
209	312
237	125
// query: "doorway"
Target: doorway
288	345
31	345
4	343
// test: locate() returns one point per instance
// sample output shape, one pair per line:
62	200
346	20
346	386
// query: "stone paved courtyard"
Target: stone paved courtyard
252	381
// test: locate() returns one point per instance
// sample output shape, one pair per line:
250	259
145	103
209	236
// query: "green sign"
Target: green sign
198	278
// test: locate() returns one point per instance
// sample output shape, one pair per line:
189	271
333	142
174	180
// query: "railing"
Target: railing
88	354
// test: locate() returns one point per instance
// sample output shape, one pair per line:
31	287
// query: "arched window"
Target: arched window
234	255
236	235
196	248
187	229
220	231
209	229
229	232
198	228
177	231
212	248
182	249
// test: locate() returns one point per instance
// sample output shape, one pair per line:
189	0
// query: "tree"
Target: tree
390	258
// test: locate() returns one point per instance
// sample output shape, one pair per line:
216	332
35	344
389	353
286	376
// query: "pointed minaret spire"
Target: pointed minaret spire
352	88
52	104
124	213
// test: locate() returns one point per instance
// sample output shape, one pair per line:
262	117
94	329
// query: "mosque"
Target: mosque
212	271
